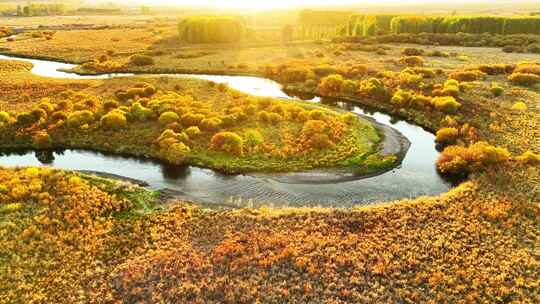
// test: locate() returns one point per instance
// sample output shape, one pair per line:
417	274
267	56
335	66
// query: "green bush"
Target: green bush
168	118
253	139
79	118
114	120
228	142
141	113
496	90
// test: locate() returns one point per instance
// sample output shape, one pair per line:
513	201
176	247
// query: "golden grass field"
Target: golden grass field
70	238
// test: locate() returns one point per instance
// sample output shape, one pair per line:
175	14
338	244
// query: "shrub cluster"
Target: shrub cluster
457	160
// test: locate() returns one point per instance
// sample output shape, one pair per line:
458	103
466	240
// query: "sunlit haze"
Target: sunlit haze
280	4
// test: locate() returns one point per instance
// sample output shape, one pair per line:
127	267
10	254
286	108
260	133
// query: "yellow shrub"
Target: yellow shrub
79	118
168	118
529	157
447	104
446	135
176	153
519	106
114	120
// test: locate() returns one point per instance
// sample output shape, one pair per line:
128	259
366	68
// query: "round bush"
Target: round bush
4	116
114	120
168	118
193	131
519	106
228	142
211	124
496	90
176	153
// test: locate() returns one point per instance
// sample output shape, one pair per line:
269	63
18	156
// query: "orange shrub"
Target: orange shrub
467	75
228	142
524	79
463	160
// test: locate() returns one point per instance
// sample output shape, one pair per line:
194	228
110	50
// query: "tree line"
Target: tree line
212	29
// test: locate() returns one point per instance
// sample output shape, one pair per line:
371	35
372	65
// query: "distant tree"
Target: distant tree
215	29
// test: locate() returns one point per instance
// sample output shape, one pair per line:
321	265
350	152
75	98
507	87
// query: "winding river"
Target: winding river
415	177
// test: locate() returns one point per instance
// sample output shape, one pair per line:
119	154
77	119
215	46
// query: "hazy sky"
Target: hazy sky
290	4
